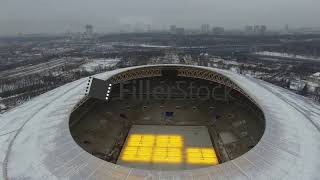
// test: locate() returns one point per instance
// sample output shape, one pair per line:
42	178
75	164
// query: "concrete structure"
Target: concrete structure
35	140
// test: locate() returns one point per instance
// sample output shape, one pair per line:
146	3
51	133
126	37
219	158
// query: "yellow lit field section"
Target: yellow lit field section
153	148
169	141
141	140
168	148
167	155
202	156
142	154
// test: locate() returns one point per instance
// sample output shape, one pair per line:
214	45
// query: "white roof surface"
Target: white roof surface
316	74
35	141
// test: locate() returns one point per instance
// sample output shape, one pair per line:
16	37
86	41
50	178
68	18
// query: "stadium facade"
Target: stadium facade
37	141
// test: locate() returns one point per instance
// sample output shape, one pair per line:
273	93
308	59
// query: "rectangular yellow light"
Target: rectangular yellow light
167	155
164	159
202	156
165	149
169	141
141	140
138	154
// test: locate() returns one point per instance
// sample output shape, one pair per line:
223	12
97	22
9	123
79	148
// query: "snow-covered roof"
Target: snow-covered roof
2	106
316	74
35	141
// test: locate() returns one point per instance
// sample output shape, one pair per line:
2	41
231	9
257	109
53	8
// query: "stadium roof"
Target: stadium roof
35	140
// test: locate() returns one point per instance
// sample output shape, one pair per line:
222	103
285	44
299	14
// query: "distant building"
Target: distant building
176	30
203	59
256	30
173	29
205	28
218	30
180	31
263	29
249	29
89	30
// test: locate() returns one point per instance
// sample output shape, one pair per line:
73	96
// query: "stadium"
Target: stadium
162	122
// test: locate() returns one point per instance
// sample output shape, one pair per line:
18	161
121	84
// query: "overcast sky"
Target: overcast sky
48	16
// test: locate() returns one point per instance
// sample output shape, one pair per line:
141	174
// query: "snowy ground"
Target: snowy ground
92	65
230	62
152	46
140	45
2	106
286	55
33	69
36	142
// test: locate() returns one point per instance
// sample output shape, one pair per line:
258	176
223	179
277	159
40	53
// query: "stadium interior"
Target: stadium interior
168	122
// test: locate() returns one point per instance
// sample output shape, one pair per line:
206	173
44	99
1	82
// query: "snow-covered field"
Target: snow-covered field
286	55
140	45
27	70
229	62
94	64
152	46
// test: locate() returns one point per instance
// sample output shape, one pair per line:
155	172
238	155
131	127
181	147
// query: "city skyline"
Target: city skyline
33	16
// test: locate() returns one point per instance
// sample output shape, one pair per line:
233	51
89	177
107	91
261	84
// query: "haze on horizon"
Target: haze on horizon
47	16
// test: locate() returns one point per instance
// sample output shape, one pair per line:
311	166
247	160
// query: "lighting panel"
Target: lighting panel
165	148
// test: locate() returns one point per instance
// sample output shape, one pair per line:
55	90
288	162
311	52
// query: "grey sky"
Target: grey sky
35	16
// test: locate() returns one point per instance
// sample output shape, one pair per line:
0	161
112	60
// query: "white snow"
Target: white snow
234	69
286	55
229	62
93	64
2	106
152	46
140	45
288	149
316	74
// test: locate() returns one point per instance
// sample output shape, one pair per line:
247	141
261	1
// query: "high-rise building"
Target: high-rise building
89	30
205	28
